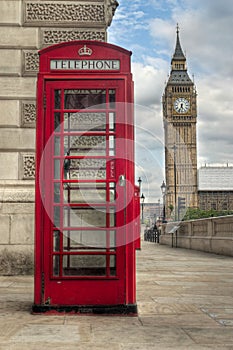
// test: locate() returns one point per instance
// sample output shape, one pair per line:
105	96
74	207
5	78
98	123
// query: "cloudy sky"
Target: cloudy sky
148	29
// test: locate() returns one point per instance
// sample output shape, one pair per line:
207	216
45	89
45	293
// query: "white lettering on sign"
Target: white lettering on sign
85	65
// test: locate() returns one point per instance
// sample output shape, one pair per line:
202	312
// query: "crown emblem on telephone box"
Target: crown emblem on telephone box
85	51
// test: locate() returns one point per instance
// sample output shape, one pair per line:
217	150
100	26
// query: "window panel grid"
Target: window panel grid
66	250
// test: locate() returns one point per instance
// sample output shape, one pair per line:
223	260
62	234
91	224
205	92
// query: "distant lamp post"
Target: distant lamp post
142	204
163	190
139	183
159	216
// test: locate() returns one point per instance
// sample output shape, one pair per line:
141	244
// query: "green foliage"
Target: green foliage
171	207
192	214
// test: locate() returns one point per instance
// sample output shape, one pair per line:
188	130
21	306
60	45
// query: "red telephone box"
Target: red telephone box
86	203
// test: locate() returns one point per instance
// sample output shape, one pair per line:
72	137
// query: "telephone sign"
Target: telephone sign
87	206
85	64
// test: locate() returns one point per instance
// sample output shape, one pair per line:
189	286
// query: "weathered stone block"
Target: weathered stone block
183	242
10	62
17	194
17	88
16	260
17	37
8	165
9	113
166	239
222	245
17	208
201	243
22	229
10	12
17	139
4	229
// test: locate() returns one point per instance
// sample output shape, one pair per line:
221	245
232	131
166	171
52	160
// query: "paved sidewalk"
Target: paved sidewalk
185	302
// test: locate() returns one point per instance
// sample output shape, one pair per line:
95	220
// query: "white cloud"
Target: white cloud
215	119
161	29
149	83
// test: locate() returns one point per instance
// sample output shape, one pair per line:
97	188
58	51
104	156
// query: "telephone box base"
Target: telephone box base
127	310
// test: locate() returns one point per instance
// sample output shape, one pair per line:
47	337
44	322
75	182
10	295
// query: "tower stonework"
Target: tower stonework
180	118
26	26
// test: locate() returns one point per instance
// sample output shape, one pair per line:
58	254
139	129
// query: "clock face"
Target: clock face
181	105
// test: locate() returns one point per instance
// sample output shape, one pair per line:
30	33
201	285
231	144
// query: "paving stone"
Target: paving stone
159	335
216	336
147	346
222	315
8	330
115	323
63	346
5	284
179	320
150	308
195	300
55	334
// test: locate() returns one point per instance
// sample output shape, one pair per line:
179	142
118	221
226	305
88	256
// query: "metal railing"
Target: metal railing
152	235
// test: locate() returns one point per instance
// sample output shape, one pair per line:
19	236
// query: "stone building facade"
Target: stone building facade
215	185
27	26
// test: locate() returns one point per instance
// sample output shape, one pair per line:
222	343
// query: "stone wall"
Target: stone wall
212	235
26	26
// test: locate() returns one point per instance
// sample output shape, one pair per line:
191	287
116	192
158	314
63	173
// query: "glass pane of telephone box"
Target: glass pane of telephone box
111	145
87	217
112	98
86	121
81	99
56	146
84	217
112	265
56	193
112	192
56	241
57	99
56	265
56	216
87	168
94	145
84	193
56	169
85	240
111	121
57	122
84	265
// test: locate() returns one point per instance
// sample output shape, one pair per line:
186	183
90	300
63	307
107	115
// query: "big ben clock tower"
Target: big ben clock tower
180	118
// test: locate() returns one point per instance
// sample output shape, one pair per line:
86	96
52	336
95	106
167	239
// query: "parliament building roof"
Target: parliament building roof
215	178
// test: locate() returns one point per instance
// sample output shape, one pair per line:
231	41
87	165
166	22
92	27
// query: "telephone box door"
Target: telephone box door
83	197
